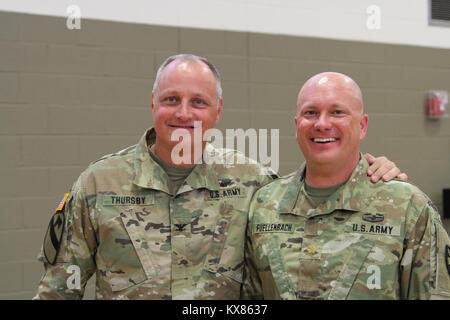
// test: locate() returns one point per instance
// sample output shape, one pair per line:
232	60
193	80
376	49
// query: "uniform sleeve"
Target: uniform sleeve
440	261
252	288
424	266
75	264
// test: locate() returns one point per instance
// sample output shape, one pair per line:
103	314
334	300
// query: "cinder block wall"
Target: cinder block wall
68	97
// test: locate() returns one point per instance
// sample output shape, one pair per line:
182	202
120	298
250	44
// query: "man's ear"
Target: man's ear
219	110
152	104
363	126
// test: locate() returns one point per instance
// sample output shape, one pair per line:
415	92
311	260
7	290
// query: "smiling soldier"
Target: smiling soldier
347	237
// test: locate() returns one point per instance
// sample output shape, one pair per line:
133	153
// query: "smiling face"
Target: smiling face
330	122
186	93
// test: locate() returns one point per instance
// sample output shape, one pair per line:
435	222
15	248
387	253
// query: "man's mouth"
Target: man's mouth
181	126
324	140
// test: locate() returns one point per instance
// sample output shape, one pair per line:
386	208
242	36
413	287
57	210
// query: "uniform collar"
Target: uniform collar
149	174
204	175
287	203
350	196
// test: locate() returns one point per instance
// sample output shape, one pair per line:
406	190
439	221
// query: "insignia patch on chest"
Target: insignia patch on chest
273	227
55	230
236	192
370	217
126	200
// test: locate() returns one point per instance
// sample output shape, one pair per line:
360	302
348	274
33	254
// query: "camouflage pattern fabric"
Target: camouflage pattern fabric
143	242
367	241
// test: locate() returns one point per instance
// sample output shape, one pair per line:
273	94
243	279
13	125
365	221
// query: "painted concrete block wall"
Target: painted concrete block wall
67	97
382	21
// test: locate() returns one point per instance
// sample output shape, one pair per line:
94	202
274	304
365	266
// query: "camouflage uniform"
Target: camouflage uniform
367	241
143	242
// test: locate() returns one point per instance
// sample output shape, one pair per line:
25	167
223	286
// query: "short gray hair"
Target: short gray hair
190	57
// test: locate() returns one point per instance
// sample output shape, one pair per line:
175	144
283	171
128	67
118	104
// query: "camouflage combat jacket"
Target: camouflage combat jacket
367	241
142	241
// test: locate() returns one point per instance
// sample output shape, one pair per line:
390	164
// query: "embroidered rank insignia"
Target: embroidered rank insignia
180	227
55	230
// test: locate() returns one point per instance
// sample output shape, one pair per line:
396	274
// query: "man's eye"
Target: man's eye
198	101
310	113
170	100
338	112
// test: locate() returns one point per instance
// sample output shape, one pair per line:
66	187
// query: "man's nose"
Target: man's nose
323	122
184	111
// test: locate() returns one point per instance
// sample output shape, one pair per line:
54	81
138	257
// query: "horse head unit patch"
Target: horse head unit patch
55	230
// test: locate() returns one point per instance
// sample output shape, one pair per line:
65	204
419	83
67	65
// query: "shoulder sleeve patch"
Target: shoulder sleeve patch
447	258
443	262
55	230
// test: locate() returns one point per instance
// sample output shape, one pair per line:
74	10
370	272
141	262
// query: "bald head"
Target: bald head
328	83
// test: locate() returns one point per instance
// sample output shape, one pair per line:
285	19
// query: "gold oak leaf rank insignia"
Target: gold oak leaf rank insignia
53	237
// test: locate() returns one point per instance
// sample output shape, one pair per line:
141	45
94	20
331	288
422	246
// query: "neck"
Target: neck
166	155
329	174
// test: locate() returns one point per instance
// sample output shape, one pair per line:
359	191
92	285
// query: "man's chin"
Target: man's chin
322	158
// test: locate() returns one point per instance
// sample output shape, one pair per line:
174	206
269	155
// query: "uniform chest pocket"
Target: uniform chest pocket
357	254
225	255
277	254
124	256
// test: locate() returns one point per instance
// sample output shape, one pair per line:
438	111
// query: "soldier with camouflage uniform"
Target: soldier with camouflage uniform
152	229
144	240
145	232
326	231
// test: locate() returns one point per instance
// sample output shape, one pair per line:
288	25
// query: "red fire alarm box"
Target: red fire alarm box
436	106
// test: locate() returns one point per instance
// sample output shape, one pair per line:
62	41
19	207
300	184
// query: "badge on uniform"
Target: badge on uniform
370	217
53	237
